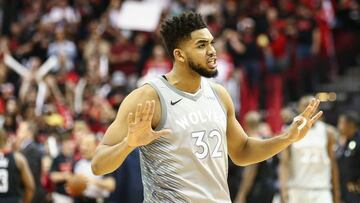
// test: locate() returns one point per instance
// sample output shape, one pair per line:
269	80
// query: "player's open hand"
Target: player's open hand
140	131
304	121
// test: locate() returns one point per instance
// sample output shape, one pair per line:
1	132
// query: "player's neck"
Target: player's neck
184	79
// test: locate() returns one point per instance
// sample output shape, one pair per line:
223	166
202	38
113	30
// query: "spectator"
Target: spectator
61	13
124	55
158	64
308	46
98	187
25	135
349	156
62	169
62	47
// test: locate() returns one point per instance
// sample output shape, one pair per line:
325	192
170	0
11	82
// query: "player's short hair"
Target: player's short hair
352	117
178	28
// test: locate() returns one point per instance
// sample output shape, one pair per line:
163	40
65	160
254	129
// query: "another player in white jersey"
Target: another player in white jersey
308	168
185	126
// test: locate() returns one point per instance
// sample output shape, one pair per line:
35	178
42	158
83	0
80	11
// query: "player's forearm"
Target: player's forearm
109	158
257	150
28	195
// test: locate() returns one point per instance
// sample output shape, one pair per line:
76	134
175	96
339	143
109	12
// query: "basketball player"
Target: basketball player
98	187
185	126
308	168
14	174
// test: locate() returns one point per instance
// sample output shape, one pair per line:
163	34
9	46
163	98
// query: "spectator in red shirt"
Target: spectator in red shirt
123	55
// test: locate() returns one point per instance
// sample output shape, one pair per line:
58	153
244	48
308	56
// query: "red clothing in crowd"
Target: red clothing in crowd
127	51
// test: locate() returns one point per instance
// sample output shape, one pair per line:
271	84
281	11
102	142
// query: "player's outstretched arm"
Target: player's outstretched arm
133	127
244	150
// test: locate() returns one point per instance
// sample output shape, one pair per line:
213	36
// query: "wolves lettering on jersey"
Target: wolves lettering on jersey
190	165
194	118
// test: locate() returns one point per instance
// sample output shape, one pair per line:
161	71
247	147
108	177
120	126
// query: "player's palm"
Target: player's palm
304	121
140	131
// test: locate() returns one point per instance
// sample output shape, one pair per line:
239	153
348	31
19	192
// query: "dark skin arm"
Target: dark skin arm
26	177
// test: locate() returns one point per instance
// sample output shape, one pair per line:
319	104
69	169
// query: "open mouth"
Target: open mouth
212	62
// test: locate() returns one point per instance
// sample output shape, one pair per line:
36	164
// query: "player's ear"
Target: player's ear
179	55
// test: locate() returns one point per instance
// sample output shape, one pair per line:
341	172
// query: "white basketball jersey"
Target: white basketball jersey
310	166
191	164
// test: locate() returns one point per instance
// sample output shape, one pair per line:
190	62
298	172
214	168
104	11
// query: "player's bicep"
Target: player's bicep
236	136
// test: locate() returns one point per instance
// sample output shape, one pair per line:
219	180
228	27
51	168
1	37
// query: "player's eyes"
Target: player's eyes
201	46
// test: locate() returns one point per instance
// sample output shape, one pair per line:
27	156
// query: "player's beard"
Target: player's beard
202	70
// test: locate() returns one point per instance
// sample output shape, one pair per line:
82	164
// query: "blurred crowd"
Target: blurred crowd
66	66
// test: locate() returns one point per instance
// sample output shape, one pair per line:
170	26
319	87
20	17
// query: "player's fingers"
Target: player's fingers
131	118
300	122
145	111
151	110
138	113
314	107
306	113
162	133
316	117
308	110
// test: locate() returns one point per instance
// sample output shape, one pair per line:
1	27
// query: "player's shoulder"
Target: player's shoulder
19	158
143	93
138	96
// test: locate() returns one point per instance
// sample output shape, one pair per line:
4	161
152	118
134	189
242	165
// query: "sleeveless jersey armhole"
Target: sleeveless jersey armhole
162	106
218	97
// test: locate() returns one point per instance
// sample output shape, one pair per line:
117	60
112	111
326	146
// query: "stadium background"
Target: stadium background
270	53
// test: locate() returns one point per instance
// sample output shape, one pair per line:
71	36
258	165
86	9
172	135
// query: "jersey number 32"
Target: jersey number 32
204	148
